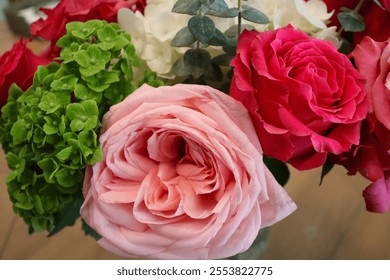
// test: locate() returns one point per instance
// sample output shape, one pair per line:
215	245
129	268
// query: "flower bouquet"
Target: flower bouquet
168	126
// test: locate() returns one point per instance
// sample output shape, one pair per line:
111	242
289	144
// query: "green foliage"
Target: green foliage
350	20
278	169
379	4
326	168
196	64
253	15
50	132
90	231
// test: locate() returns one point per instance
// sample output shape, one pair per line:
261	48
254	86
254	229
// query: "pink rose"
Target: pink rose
305	98
53	26
377	195
182	177
373	62
18	65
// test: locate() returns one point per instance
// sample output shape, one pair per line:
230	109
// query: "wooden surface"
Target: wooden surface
331	221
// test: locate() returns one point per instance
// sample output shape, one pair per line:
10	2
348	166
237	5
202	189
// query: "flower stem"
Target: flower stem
239	19
358	7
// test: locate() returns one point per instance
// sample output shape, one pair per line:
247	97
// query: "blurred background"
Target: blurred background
330	223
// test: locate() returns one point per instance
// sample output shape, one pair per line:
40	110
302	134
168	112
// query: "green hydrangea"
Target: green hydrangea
50	132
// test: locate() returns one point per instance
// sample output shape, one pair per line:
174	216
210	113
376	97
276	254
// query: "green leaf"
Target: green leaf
223	59
68	215
202	28
82	92
49	167
218	39
77	125
67	83
76	111
38	224
183	38
82	58
90	107
228	13
253	15
231	47
217	5
107	34
351	21
64	154
278	169
19	131
38	205
96	157
68	178
180	69
379	4
326	168
13	160
189	7
197	61
64	42
52	124
232	31
90	231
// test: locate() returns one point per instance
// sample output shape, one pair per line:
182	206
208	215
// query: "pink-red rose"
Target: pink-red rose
18	65
376	18
373	62
182	177
53	26
305	98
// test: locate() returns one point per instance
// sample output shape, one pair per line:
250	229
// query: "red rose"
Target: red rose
53	27
306	99
18	65
376	18
372	159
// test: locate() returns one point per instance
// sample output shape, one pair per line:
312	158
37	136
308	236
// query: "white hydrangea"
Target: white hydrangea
153	32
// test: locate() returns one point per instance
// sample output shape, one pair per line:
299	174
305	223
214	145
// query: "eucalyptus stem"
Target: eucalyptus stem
239	19
358	7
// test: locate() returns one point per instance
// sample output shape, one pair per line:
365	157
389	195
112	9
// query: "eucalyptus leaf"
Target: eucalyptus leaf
197	61
202	28
218	39
351	21
227	13
232	31
379	4
253	15
180	69
215	5
189	7
183	38
223	59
